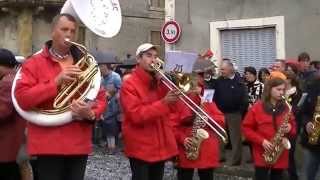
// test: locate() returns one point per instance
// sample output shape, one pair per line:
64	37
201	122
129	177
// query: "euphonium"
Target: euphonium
74	89
314	135
198	135
277	140
85	87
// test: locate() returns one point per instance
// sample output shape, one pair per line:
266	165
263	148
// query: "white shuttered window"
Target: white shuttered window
249	47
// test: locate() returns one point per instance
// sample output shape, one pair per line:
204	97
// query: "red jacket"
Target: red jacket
258	126
12	126
209	149
37	89
147	132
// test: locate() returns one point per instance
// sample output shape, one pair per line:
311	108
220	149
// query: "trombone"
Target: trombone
189	102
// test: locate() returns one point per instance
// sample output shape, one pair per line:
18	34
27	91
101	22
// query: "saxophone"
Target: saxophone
198	135
315	133
277	141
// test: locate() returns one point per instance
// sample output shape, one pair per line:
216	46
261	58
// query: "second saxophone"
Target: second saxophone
271	157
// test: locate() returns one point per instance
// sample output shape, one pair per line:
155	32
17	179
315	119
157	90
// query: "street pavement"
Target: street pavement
103	166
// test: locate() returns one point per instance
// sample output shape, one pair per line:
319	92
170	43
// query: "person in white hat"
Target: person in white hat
148	138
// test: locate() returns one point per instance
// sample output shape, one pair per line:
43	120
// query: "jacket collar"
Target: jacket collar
143	75
75	52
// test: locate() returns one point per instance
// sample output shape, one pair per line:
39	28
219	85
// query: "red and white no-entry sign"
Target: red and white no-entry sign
170	32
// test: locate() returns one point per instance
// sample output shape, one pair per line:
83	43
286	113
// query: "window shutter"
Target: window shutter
249	47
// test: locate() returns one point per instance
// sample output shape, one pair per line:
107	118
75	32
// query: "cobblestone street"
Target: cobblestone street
102	166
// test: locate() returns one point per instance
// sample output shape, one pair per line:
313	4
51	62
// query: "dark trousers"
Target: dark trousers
61	167
142	170
9	171
233	121
262	173
292	170
311	164
187	174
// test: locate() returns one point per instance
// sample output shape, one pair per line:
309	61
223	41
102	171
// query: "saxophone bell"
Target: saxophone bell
286	143
193	152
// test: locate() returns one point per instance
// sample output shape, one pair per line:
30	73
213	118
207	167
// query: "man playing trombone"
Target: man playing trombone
148	138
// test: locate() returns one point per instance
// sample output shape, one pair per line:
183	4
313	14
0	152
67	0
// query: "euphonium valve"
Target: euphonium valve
70	91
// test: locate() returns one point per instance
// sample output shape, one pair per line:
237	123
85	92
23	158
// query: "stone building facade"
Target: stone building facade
26	25
233	28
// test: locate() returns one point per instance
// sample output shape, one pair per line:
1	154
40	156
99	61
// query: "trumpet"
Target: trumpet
201	114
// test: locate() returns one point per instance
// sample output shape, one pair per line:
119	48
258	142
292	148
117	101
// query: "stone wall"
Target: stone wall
138	20
302	24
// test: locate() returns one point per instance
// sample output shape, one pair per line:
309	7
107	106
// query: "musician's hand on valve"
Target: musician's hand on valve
309	127
69	73
171	97
82	110
188	143
267	145
287	128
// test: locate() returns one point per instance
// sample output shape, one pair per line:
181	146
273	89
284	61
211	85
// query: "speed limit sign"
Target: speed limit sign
170	32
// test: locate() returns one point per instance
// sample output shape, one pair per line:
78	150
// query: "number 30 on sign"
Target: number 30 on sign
170	32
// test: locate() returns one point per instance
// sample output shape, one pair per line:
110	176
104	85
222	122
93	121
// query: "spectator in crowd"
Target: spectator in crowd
12	126
310	108
315	65
109	76
263	74
112	81
111	119
293	93
255	87
231	97
292	66
278	65
261	125
306	75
